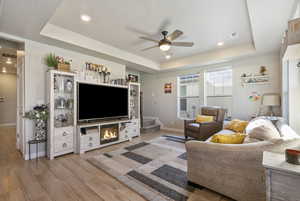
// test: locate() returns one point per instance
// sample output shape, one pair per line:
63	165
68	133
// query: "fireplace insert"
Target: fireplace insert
109	133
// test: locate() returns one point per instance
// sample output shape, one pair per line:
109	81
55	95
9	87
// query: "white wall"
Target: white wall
158	104
35	74
8	90
294	95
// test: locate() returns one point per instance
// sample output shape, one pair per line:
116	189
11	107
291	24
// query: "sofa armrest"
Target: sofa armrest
232	170
186	122
208	129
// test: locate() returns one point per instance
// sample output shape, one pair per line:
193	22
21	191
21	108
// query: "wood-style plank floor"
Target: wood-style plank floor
67	178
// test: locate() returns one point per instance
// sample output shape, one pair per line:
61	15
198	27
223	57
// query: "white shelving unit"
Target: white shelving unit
255	80
134	103
65	135
62	121
90	135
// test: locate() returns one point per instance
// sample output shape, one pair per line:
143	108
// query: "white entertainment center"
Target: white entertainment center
67	135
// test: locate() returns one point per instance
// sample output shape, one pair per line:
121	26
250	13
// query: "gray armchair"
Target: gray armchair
202	131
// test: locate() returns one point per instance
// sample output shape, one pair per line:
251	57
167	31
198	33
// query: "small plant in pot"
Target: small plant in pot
51	60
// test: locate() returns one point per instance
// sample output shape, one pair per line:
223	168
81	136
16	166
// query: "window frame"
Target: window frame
223	86
179	97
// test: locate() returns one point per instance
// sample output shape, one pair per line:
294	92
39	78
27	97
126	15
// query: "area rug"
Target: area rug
155	169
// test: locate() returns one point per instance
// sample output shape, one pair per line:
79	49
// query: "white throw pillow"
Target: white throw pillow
262	129
285	130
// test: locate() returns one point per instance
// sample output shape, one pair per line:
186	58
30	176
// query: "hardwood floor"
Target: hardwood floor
67	178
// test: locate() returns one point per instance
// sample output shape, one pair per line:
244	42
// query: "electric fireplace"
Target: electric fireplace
109	133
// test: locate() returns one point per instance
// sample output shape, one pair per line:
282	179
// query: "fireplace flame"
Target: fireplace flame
109	135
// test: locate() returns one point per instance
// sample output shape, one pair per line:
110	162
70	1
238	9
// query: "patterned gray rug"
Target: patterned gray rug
155	169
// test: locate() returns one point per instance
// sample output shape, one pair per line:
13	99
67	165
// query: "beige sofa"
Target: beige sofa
236	170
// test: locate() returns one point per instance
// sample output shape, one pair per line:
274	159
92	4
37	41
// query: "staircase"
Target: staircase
149	126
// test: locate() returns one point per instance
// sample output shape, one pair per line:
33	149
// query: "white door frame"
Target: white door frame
20	131
20	101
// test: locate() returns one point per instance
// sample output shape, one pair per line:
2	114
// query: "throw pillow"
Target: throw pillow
204	118
262	129
237	125
237	138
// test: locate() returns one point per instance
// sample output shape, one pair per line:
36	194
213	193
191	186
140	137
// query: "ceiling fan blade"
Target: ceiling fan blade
148	48
149	39
174	35
183	44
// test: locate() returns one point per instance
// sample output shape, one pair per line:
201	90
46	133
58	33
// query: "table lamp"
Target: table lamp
271	100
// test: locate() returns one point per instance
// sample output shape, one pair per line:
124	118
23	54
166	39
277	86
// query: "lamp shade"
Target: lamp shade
271	100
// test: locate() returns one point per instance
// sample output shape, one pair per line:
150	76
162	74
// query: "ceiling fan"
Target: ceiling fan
167	41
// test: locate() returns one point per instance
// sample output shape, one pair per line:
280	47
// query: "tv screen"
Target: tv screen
99	102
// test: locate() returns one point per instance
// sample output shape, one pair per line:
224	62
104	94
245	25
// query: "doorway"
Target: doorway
11	94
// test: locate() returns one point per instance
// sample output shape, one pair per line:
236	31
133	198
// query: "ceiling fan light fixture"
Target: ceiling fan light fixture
165	47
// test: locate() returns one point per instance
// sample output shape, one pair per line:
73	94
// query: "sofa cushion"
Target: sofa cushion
204	118
250	140
193	126
237	138
262	129
223	132
237	125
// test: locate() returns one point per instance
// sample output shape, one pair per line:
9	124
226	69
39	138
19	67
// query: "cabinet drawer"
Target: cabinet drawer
63	146
64	133
284	186
90	140
90	145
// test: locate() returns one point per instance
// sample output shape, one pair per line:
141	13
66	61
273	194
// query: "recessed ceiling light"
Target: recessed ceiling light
220	43
85	18
3	70
168	56
8	61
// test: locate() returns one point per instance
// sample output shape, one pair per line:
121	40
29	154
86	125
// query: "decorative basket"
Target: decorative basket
64	67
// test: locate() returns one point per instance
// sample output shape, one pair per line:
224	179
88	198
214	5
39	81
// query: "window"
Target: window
188	100
219	88
219	82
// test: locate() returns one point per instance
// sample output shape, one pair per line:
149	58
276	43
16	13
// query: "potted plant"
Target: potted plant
51	60
39	114
57	62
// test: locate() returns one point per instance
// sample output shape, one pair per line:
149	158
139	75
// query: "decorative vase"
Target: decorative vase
40	131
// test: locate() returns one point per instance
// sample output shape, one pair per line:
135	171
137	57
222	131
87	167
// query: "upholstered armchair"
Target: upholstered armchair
202	131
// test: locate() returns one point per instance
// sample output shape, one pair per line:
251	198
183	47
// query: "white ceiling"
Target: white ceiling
116	26
120	23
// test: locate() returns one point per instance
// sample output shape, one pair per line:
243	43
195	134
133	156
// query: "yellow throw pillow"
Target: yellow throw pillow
237	125
204	118
237	138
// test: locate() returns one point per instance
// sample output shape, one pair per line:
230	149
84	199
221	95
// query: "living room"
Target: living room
149	100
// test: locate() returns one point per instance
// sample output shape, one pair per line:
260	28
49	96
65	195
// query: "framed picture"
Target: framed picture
168	88
133	78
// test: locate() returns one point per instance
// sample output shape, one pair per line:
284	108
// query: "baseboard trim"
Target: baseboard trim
177	130
8	124
34	155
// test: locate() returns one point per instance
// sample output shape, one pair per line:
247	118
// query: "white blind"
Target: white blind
219	83
188	95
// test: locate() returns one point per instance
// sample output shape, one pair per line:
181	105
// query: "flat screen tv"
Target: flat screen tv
97	102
